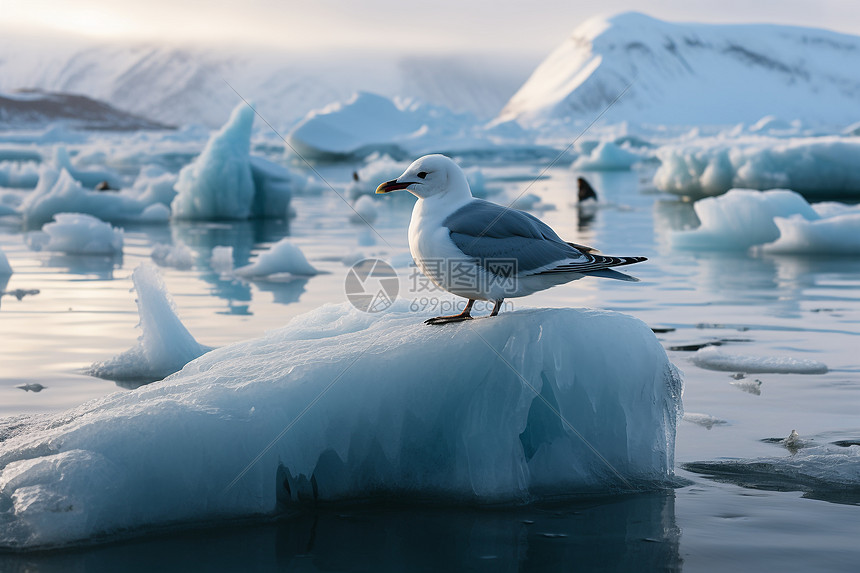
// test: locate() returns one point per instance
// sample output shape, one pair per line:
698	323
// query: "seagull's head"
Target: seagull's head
430	176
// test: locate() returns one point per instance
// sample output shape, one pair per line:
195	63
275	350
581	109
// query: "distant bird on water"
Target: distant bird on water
483	251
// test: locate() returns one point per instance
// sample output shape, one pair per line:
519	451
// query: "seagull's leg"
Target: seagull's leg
497	307
465	315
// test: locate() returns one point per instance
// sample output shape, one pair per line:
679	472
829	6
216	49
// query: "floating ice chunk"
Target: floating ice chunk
273	185
606	157
179	256
813	166
705	420
838	235
219	183
378	169
367	122
165	345
89	178
346	405
740	219
749	386
773	124
154	185
5	267
712	358
222	260
155	213
783	219
20	175
827	472
364	210
58	192
80	234
6	210
283	257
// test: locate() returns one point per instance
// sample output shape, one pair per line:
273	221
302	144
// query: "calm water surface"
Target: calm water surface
803	307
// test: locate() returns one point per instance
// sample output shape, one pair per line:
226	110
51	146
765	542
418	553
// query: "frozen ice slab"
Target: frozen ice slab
345	405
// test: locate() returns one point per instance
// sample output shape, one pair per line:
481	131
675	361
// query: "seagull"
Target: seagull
483	251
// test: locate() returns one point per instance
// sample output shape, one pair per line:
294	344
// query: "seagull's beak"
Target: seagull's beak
393	185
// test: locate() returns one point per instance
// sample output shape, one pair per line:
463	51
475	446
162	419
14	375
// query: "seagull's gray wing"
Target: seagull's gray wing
487	232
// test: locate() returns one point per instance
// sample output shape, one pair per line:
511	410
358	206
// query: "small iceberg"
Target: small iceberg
164	346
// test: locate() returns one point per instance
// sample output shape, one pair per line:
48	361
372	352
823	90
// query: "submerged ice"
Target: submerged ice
344	405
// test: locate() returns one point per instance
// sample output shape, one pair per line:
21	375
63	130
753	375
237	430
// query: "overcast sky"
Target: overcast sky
533	27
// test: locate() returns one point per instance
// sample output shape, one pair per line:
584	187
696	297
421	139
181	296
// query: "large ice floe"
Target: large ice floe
817	167
341	405
58	192
226	182
368	123
164	346
777	221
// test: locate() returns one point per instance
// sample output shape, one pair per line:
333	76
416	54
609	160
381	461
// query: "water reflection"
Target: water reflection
97	266
622	533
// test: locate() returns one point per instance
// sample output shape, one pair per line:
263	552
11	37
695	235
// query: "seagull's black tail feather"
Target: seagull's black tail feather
594	263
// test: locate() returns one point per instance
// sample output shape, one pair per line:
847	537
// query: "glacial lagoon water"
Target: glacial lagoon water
803	307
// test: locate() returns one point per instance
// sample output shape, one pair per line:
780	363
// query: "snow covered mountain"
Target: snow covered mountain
181	85
692	74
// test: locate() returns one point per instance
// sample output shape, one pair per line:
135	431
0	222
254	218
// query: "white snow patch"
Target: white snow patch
404	411
712	358
164	346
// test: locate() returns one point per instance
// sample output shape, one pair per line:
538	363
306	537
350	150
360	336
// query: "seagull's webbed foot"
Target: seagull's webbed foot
465	315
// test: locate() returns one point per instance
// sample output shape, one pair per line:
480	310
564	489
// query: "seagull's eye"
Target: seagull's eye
422	175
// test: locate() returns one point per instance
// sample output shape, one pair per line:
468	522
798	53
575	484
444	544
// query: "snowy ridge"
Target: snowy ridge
181	85
403	409
692	74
